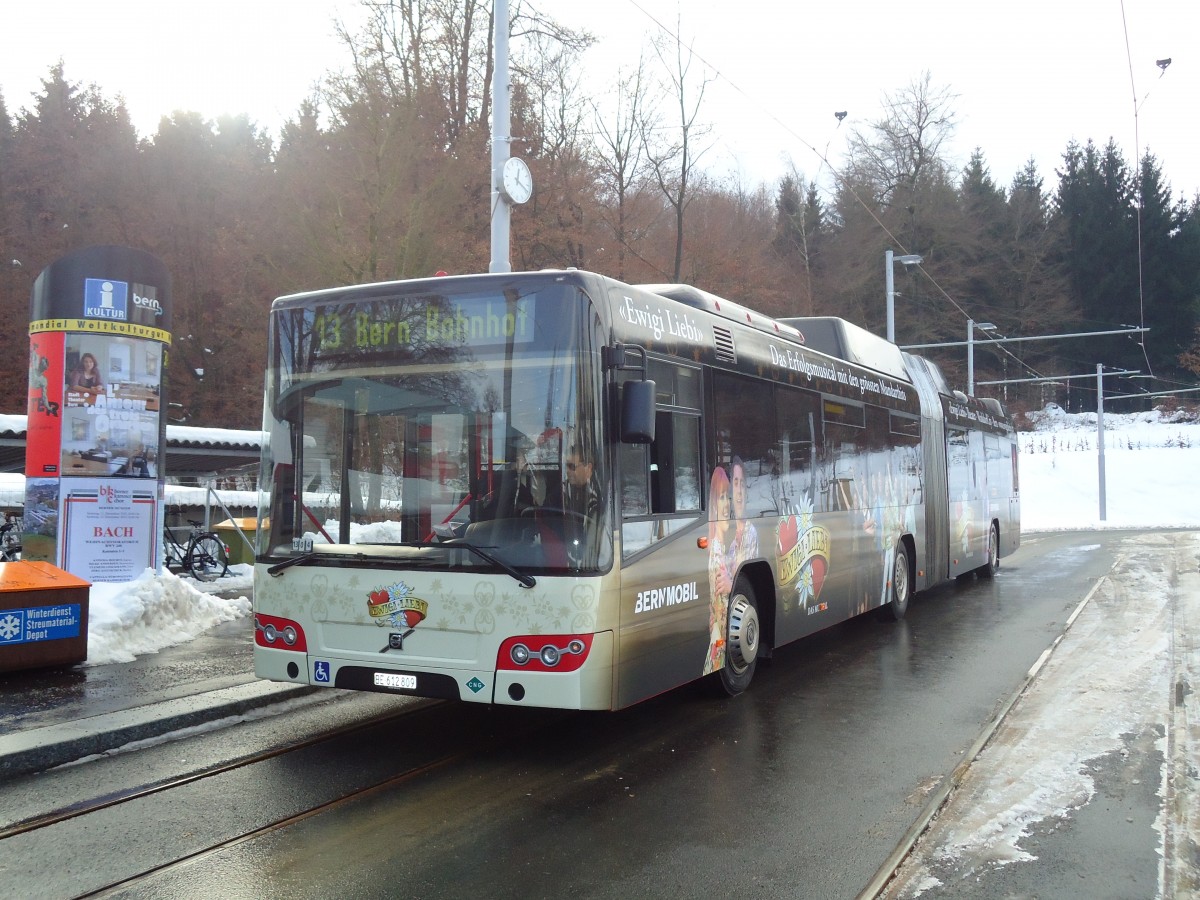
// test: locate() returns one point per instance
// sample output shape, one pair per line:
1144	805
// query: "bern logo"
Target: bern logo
145	296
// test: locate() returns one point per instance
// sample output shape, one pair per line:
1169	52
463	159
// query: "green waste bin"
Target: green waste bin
238	551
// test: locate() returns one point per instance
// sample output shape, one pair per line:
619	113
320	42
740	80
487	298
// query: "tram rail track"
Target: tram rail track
63	814
109	890
178	822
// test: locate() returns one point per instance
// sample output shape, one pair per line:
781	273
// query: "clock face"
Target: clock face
518	183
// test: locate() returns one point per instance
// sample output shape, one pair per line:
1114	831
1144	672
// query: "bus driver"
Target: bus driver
582	494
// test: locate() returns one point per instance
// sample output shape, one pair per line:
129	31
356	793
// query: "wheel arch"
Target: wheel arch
762	581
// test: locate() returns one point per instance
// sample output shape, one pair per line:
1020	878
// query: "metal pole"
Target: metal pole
970	357
891	297
1100	435
500	140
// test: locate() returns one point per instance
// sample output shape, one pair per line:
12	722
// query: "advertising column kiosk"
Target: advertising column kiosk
98	338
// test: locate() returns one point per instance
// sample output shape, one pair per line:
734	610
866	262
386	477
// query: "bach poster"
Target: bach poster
107	524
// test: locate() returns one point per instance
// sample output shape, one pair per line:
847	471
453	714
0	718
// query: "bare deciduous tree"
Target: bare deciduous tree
675	162
620	159
908	144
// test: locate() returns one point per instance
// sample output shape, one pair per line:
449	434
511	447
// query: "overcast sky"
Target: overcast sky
1029	75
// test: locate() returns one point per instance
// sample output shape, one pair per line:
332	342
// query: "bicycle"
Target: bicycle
204	555
10	539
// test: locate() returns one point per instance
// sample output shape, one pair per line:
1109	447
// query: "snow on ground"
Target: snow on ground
1101	700
1151	461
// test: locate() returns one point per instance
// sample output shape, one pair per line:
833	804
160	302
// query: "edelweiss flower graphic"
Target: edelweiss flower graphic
804	512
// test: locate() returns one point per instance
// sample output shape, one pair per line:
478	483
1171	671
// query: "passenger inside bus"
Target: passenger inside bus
518	488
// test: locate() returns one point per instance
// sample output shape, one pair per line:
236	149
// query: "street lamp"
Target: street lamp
971	326
908	259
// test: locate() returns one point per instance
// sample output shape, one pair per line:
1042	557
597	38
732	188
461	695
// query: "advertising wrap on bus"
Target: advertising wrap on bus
454	507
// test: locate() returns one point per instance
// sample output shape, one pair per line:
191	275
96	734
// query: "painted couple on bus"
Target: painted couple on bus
732	540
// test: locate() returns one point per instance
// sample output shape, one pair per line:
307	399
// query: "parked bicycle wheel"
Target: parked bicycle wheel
10	540
207	559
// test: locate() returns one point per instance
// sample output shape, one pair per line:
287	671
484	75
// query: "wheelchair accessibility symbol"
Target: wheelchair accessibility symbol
320	671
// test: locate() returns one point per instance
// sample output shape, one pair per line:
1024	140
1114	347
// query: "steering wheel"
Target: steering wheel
567	514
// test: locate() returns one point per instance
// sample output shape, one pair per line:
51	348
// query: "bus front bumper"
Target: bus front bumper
588	687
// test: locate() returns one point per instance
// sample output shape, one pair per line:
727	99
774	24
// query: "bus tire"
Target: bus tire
988	569
901	585
742	637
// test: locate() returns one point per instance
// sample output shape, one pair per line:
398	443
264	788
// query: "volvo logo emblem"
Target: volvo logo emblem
396	640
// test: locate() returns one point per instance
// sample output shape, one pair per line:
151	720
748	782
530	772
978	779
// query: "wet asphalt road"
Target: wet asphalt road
799	788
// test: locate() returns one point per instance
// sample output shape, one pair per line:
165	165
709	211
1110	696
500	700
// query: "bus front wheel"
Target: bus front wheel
742	639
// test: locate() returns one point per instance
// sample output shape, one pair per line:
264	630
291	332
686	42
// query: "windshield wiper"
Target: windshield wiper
334	558
522	578
274	570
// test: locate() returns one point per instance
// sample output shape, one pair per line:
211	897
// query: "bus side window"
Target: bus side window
660	483
664	477
797	420
675	463
635	480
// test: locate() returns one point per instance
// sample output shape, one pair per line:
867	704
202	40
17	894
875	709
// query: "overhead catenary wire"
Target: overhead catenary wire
1137	181
844	183
823	163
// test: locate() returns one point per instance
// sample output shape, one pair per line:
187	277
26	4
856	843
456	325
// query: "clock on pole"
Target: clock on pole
517	183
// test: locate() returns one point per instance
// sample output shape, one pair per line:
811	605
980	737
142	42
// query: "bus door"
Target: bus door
966	480
664	611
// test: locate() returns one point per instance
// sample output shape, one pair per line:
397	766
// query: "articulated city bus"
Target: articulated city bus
554	489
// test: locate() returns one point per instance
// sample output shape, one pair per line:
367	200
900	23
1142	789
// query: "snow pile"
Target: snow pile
155	611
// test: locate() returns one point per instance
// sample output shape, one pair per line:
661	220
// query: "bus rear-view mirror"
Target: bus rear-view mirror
637	412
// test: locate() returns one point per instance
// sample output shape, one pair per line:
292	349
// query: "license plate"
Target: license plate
394	680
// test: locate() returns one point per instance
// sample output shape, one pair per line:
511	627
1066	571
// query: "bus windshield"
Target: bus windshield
409	428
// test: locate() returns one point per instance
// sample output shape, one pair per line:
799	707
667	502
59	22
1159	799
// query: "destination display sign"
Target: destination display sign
420	322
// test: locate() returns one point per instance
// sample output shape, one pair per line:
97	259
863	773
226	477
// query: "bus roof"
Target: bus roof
719	306
845	340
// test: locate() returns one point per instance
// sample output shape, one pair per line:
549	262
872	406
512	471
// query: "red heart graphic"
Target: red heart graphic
818	574
787	535
377	598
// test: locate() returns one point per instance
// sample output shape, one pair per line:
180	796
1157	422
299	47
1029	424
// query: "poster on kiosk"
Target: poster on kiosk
100	328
